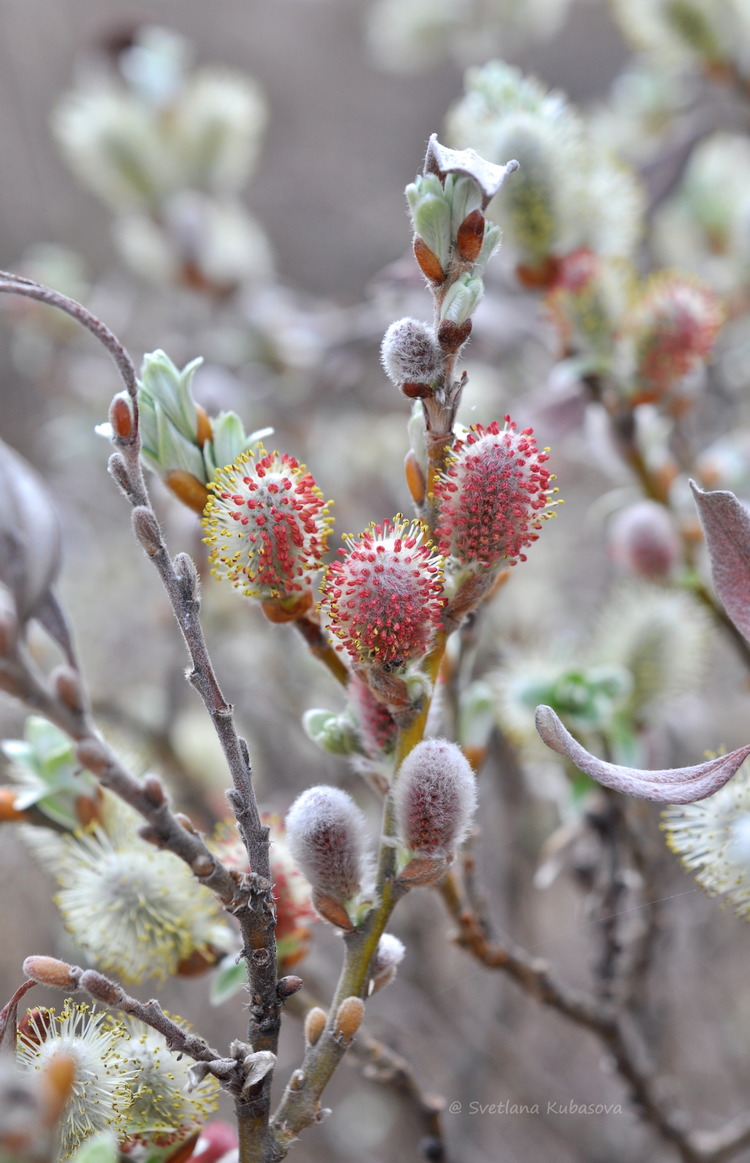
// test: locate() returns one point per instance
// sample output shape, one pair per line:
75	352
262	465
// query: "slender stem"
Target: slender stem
300	1105
255	911
18	285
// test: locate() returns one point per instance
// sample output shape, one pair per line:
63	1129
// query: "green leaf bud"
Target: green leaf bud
175	451
431	215
461	299
171	390
333	733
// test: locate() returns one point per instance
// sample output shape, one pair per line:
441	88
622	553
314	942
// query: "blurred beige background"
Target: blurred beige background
343	140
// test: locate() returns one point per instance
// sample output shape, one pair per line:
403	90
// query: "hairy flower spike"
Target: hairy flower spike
673	327
136	909
435	798
493	496
327	836
384	597
267	525
94	1040
712	839
162	1111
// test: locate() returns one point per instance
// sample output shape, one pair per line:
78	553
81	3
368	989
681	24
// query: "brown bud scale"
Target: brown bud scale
415	478
429	263
315	1023
470	236
188	489
205	431
348	1018
121	418
92	754
451	336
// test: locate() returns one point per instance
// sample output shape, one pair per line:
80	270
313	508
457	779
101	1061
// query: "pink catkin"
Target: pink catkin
435	798
267	524
376	725
675	325
494	496
384	597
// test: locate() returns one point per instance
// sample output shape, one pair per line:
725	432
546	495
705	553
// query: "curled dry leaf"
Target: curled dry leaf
488	176
726	524
677	785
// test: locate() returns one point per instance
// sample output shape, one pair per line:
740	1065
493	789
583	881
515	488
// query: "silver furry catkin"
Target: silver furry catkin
435	798
410	353
327	836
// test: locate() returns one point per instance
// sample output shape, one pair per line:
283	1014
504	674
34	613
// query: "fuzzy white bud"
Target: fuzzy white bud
388	956
410	353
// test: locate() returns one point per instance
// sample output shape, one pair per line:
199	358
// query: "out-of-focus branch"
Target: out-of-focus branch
610	1024
385	1066
256	912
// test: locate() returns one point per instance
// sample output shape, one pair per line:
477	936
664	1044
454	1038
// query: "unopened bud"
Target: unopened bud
429	263
50	971
92	754
452	336
287	986
644	541
388	956
435	798
100	987
121	416
348	1019
153	790
29	534
187	574
147	531
315	1023
185	822
118	470
327	836
410	352
202	867
470	236
66	683
333	733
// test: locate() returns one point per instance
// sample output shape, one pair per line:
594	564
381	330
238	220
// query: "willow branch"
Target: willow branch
180	579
